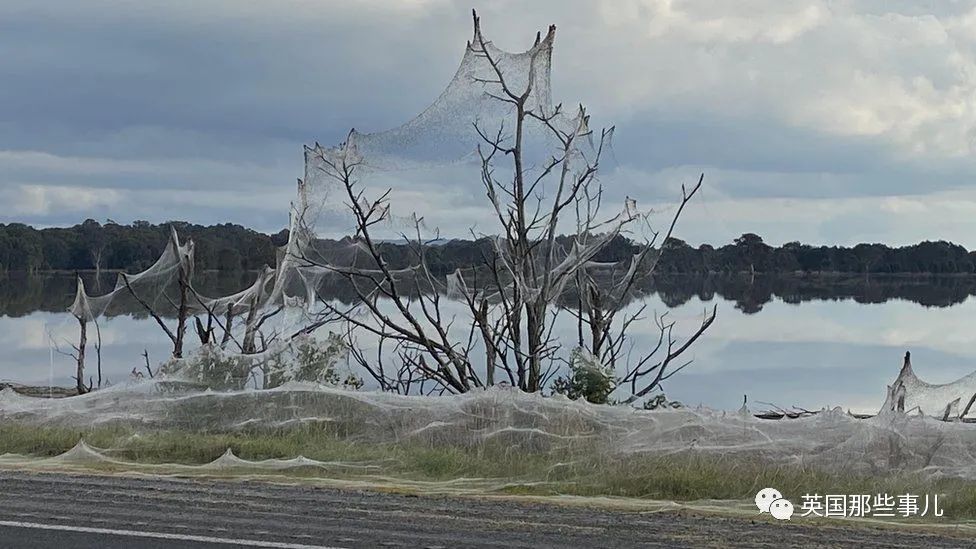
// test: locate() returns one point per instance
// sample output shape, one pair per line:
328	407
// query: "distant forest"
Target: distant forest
228	247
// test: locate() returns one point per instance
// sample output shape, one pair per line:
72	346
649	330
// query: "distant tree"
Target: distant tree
94	240
23	249
709	259
754	253
869	256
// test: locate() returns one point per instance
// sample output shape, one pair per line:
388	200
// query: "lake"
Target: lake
787	340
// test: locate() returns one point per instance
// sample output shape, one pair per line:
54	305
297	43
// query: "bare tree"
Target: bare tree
79	355
83	315
418	327
98	351
182	305
512	297
601	295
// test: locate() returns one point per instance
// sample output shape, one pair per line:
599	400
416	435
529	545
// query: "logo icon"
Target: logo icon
770	500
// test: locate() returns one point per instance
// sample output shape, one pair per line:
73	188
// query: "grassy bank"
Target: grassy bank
500	467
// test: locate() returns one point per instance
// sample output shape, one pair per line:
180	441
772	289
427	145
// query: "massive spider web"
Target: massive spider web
445	134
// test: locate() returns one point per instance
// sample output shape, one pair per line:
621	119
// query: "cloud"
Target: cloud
811	118
40	200
831	67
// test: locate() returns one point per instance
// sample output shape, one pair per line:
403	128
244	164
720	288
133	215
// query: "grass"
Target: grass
499	466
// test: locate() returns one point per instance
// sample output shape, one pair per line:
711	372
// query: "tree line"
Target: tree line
749	254
113	246
93	246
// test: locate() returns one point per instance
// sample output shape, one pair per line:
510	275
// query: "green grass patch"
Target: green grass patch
502	467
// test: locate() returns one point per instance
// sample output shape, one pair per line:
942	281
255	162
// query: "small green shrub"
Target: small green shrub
587	379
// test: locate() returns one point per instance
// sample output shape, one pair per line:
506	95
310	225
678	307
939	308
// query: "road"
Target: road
41	510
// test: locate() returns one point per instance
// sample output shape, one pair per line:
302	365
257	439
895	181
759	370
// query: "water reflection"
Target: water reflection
751	293
808	341
21	294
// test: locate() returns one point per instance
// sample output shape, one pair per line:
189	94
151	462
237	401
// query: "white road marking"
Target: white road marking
162	535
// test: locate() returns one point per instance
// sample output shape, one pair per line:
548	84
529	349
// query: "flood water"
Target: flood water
809	342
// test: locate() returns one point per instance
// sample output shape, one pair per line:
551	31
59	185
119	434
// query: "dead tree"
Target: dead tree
80	356
182	309
77	354
98	351
513	304
417	325
182	305
603	292
82	314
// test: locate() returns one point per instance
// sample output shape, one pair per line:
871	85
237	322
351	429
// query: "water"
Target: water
809	342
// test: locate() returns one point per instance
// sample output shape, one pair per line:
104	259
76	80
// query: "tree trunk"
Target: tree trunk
80	368
228	325
535	327
98	351
182	314
249	329
490	358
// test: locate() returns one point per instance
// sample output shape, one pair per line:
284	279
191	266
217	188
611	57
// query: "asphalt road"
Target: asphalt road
73	511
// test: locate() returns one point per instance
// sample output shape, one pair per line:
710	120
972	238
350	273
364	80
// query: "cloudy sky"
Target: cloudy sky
821	121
